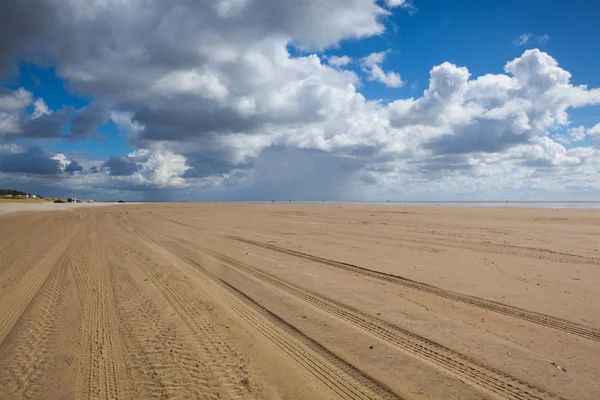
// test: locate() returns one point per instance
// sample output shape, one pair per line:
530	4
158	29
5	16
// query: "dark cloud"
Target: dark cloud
182	124
33	161
74	167
87	120
441	164
483	135
120	166
204	162
22	24
46	126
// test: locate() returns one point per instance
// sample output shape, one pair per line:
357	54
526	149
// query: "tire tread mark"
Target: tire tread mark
22	292
490	305
459	365
32	348
99	360
161	362
341	377
221	359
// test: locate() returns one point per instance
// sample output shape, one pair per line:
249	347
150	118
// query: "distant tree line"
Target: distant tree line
5	192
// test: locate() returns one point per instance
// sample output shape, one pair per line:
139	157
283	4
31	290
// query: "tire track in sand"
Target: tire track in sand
489	305
25	364
228	367
480	376
161	360
25	285
100	358
342	378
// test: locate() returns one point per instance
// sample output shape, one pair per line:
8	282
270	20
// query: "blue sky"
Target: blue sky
241	100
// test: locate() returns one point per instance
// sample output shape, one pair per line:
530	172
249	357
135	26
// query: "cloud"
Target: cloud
46	126
22	25
543	39
406	4
339	61
32	161
120	166
12	106
16	122
494	112
39	109
159	168
576	134
73	166
594	131
371	65
86	121
527	38
125	122
523	39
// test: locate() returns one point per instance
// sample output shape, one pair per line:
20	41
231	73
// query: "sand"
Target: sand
8	206
221	301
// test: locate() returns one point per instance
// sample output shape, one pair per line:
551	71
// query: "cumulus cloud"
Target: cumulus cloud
120	166
339	61
86	121
125	122
371	65
159	168
575	134
12	106
407	4
73	166
494	112
15	121
32	161
594	131
41	123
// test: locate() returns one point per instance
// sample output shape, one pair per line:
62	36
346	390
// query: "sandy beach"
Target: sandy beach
19	206
230	301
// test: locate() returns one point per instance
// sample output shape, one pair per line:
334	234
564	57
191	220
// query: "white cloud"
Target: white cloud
523	39
527	38
204	84
159	168
371	65
124	120
543	39
339	61
62	160
395	3
406	4
575	134
39	109
12	107
594	131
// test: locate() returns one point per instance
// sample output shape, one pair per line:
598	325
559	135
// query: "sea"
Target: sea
521	204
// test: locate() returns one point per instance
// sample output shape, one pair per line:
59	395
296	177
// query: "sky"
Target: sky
246	100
